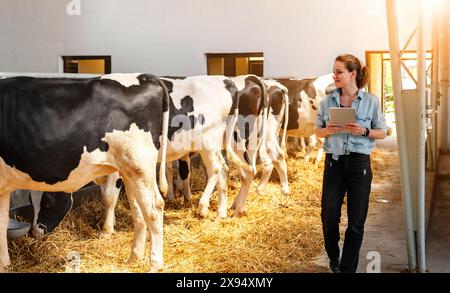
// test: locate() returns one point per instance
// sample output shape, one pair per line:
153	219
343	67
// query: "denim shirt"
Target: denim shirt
368	114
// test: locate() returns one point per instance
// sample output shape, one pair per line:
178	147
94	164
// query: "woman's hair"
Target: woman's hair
353	63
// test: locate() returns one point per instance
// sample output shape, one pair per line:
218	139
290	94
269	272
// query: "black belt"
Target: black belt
352	154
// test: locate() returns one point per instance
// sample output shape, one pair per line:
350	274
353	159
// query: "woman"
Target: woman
347	164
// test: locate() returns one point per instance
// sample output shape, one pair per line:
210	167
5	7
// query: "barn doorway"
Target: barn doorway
234	64
87	64
380	83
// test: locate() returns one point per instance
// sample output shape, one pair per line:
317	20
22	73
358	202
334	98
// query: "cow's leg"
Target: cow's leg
302	144
319	151
155	224
178	181
222	190
36	198
110	191
267	171
213	168
267	166
4	220
185	176
299	143
169	175
280	165
140	232
310	147
139	173
295	143
278	159
246	178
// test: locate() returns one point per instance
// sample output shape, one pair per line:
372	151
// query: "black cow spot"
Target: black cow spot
201	119
314	107
311	102
300	100
119	183
183	169
169	85
247	157
187	106
103	146
236	136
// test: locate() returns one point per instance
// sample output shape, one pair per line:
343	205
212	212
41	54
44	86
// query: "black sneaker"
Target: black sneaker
334	266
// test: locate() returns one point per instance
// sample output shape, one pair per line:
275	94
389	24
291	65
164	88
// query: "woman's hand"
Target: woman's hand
332	128
355	128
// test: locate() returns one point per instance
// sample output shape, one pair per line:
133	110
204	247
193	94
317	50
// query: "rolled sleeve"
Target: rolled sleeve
378	119
320	121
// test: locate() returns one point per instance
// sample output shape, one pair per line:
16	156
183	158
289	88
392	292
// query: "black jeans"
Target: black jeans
352	174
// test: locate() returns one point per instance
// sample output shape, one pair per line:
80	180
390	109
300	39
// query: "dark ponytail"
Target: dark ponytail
353	63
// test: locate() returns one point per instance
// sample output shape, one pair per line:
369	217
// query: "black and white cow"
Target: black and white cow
204	111
60	134
268	148
304	98
274	148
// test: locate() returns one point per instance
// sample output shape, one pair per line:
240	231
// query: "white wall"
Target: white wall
169	37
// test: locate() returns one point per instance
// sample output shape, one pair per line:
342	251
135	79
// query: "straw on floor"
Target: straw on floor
278	233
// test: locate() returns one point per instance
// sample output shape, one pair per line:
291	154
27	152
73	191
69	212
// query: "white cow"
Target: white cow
304	98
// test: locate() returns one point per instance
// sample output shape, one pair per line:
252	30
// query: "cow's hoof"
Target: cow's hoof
105	235
188	203
285	190
260	189
240	213
134	259
170	201
202	213
38	233
222	214
202	210
155	269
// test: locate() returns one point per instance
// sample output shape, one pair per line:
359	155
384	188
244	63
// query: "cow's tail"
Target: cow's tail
286	121
231	126
264	115
163	186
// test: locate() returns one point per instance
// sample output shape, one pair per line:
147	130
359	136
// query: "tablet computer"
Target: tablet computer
342	116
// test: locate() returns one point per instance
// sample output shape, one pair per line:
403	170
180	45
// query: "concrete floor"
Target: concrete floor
438	238
384	245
